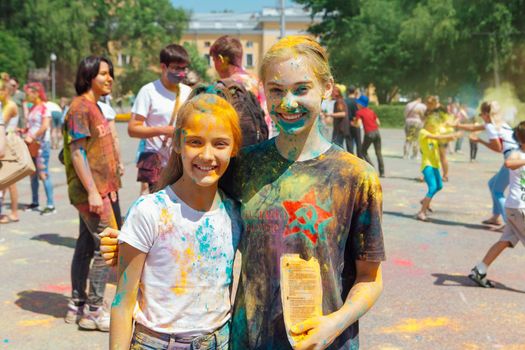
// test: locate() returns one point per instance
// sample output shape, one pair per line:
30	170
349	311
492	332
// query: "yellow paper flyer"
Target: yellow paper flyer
301	291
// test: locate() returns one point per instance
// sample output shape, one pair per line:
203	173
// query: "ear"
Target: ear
328	87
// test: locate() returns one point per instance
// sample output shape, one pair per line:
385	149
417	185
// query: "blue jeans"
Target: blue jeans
147	339
433	179
497	185
42	167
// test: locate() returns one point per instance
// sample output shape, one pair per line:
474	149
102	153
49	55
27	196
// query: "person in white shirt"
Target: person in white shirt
515	209
414	115
154	113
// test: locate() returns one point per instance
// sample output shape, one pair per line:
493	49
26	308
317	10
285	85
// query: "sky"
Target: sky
220	5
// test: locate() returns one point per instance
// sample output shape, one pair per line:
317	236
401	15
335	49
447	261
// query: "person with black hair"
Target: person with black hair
355	123
155	110
91	162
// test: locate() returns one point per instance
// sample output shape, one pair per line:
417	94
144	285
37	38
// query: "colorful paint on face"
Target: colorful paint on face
206	149
294	95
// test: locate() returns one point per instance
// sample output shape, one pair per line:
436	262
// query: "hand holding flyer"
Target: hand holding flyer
301	291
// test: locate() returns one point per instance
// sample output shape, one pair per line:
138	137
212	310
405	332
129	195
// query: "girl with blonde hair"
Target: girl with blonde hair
301	195
177	245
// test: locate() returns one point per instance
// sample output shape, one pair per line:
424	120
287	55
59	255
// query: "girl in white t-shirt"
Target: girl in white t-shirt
178	244
501	140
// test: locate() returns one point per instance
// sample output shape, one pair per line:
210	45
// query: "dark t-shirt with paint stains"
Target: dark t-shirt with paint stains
329	208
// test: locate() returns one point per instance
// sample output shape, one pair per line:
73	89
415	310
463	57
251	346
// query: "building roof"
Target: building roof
249	22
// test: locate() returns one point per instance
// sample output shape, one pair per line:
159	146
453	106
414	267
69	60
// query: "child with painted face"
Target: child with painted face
177	245
300	194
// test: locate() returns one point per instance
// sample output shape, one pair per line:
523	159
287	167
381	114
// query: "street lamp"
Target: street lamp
53	59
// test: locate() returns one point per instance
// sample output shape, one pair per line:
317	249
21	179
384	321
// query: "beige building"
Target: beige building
257	31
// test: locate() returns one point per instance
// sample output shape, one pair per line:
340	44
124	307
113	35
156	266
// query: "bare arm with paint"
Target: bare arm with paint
469	127
131	263
81	165
514	161
46	122
136	128
444	137
492	144
322	331
2	140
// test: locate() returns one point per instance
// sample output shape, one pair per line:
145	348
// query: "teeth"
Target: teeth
291	116
205	168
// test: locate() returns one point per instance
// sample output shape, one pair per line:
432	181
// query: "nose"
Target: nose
207	152
289	102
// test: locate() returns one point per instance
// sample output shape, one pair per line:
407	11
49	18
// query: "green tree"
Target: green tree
197	62
14	55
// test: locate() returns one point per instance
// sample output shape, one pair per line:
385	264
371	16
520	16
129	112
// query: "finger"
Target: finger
109	256
108	241
108	248
111	262
109	232
305	326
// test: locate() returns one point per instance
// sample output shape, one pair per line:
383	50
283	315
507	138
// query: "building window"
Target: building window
249	60
207	58
249	44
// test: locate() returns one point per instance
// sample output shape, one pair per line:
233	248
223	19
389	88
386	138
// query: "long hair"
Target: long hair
204	103
495	114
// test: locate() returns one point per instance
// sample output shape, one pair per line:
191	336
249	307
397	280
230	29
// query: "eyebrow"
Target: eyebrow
298	83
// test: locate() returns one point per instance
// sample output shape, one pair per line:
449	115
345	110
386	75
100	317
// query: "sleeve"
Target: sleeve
139	229
77	124
142	103
366	233
492	132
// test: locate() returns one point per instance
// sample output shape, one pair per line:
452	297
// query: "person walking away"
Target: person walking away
514	231
372	136
355	123
154	113
414	116
91	162
38	138
226	53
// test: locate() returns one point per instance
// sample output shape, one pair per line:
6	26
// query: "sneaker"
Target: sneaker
31	207
74	312
95	319
48	211
480	278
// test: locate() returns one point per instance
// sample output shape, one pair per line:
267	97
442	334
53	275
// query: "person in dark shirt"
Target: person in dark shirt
355	125
372	136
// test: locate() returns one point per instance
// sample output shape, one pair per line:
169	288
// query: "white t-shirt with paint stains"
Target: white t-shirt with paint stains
184	287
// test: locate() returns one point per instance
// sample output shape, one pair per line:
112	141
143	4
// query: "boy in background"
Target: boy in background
514	208
372	136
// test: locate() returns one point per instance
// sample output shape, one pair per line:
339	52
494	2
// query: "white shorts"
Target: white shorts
515	227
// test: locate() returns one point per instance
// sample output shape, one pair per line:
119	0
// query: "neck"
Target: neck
197	197
231	71
307	145
171	87
91	96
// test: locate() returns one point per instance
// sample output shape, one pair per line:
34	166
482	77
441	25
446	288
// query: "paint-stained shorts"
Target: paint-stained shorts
147	339
515	227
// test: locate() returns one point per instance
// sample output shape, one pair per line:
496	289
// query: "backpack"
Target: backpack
251	115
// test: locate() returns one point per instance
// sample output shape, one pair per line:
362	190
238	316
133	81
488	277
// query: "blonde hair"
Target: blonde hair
205	103
495	115
294	45
432	103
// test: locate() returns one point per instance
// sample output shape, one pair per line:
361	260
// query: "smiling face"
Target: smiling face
294	94
206	147
31	95
103	82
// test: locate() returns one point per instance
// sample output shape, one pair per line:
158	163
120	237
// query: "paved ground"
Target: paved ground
428	302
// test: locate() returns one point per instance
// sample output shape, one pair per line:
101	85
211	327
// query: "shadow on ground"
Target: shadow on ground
437	221
45	303
446	280
55	239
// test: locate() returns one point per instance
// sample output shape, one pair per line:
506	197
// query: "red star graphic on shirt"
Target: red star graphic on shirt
306	217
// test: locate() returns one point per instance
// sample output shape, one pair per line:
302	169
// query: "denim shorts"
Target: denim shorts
147	339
